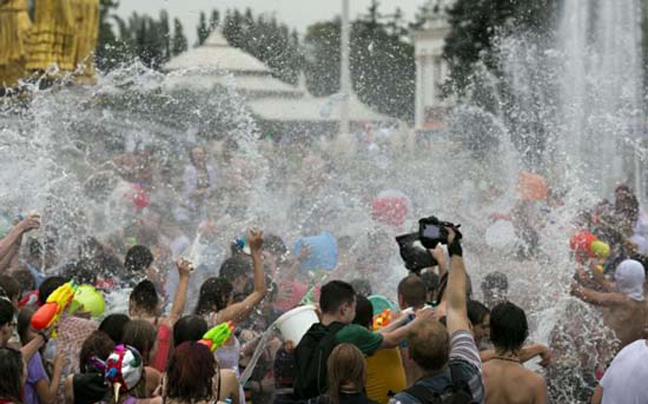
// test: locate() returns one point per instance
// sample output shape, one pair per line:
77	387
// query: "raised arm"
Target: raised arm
456	306
10	244
440	257
597	298
238	311
180	298
393	338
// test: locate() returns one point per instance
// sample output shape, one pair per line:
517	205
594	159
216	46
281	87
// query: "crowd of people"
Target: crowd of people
439	344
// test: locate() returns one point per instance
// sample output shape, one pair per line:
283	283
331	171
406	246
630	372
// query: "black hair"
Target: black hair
362	287
84	272
334	294
11	286
189	328
412	290
364	312
214	295
431	280
274	244
25	279
48	286
99	345
235	267
138	258
477	312
495	280
7	312
508	327
11	369
113	326
23	323
145	296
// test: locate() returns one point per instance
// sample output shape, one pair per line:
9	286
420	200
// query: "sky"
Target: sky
297	14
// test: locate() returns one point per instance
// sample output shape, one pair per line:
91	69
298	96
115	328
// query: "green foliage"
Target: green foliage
476	23
203	30
179	42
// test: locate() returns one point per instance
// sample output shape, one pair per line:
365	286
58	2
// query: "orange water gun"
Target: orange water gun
381	320
49	313
217	336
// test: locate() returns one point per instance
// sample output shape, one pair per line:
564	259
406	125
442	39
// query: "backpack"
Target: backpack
311	356
456	393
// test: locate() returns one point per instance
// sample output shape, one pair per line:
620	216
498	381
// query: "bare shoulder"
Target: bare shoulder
536	381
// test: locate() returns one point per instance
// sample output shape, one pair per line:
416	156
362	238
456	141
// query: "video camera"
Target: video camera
431	232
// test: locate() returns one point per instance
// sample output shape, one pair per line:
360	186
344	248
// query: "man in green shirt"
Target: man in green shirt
338	305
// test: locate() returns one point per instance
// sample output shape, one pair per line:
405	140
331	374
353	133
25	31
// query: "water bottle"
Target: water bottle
241	243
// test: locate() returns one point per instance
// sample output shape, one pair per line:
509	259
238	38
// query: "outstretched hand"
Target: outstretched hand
184	267
255	240
31	222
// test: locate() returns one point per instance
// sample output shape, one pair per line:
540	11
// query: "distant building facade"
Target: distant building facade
431	68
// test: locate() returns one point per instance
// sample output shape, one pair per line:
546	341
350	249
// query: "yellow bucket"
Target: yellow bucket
385	375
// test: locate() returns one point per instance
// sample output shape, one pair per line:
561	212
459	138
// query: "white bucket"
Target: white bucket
295	323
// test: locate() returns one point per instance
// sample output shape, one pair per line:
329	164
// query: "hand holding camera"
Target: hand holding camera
432	232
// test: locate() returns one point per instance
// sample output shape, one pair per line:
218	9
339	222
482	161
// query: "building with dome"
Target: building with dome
279	107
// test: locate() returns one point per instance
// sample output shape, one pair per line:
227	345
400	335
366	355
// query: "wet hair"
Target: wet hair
431	280
413	291
477	312
346	365
113	326
10	286
84	272
362	287
508	327
274	244
191	153
429	345
11	369
7	312
145	296
334	294
189	328
214	296
141	335
25	279
23	323
48	286
138	258
98	344
190	372
495	281
235	267
89	248
364	312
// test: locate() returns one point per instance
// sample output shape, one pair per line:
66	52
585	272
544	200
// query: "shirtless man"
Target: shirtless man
622	300
505	379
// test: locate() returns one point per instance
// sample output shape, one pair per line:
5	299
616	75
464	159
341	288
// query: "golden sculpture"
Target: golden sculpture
60	41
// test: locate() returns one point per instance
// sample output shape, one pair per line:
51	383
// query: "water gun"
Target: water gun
381	320
49	313
216	337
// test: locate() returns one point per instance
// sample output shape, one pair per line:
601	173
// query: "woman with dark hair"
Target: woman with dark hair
89	386
14	375
38	388
189	328
113	326
193	377
141	335
216	305
347	375
145	305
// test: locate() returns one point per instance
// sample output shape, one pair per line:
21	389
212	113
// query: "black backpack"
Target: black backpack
456	393
311	356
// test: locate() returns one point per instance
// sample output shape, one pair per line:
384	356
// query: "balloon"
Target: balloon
390	207
500	234
87	298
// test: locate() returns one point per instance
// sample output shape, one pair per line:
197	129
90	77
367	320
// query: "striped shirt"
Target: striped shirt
465	363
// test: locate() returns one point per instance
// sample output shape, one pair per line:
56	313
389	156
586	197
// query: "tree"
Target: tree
214	20
203	29
179	43
476	23
105	54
